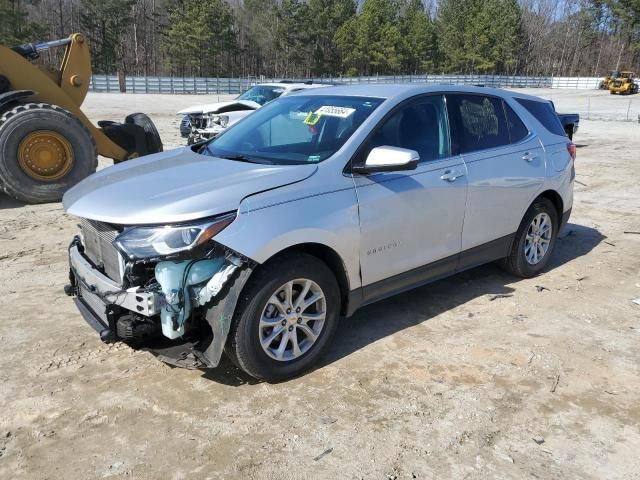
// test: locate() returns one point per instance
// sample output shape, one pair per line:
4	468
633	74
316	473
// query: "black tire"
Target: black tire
24	119
244	347
5	84
569	131
516	263
154	142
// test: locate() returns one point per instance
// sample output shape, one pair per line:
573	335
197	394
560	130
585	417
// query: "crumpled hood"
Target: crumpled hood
220	106
174	186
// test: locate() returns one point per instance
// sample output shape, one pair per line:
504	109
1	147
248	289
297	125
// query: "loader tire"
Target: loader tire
154	143
44	151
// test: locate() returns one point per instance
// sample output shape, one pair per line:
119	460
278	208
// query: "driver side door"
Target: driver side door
411	221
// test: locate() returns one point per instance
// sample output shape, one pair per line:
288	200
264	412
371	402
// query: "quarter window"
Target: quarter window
544	113
517	129
420	125
479	122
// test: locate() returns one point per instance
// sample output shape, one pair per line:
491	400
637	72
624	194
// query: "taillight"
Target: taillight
571	148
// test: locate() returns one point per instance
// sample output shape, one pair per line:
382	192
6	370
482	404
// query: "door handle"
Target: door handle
529	157
451	175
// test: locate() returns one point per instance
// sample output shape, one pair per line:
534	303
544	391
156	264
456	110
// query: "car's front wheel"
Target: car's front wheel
285	318
534	241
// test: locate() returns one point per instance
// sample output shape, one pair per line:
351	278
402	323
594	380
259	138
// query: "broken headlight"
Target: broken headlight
150	242
222	120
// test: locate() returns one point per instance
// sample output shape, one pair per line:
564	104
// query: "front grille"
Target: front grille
617	83
98	240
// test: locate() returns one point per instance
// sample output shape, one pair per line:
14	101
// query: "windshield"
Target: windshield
262	94
294	129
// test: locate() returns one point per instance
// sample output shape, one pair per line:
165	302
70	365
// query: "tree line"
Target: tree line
316	38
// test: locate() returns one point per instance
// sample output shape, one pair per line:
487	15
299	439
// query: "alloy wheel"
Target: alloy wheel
538	239
292	320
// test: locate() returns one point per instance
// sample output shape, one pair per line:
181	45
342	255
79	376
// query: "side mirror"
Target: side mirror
388	159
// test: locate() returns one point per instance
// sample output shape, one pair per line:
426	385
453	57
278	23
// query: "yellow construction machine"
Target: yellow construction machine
604	84
47	144
624	84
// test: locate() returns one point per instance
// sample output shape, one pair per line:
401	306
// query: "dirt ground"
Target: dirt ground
477	376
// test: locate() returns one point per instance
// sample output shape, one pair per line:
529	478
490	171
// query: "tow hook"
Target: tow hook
70	290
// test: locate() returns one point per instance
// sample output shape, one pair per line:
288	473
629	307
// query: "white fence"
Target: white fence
580	83
195	85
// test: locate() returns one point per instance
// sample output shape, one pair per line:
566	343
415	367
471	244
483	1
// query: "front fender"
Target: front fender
219	317
329	220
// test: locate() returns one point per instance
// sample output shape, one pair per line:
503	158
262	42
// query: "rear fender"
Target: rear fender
13	96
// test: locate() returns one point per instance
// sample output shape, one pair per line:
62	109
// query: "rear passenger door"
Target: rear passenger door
505	167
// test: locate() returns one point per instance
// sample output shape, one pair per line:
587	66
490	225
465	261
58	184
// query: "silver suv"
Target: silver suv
255	243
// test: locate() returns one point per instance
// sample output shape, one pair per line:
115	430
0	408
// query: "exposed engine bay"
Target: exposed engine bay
204	122
207	121
178	308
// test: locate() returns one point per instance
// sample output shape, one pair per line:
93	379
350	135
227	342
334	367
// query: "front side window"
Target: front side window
420	125
478	122
294	129
262	94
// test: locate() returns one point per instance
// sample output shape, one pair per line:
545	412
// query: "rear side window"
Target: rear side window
478	122
544	113
517	129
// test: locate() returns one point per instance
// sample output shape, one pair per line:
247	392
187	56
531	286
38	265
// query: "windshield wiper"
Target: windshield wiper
245	158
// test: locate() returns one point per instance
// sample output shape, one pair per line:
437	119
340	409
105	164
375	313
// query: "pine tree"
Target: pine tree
199	34
107	24
479	36
322	18
419	52
370	42
15	26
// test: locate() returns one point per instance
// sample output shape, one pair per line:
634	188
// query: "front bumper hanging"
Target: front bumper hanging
101	301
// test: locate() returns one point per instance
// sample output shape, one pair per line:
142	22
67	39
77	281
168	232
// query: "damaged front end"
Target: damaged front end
205	126
170	290
204	122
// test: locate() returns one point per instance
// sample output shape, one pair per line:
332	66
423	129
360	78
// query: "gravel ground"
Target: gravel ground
477	376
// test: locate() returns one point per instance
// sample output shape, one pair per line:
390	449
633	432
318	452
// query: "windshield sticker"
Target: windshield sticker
340	112
314	158
312	119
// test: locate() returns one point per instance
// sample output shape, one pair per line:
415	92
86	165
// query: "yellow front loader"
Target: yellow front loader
604	84
47	144
624	84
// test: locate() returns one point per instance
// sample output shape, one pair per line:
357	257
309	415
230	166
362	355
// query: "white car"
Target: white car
202	122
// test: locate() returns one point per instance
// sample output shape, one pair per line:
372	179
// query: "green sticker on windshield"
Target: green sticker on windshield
313	158
312	119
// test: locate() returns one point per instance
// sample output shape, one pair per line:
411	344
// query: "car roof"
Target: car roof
406	90
290	86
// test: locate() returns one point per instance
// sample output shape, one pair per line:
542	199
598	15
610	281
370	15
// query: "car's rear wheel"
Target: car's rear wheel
569	131
535	240
285	318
